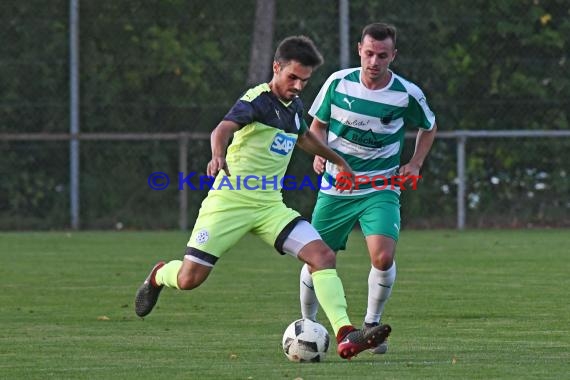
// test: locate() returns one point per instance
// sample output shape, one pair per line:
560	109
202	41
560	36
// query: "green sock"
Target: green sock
168	274
330	293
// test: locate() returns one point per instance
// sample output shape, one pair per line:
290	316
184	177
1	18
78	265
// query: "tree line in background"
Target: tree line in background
174	65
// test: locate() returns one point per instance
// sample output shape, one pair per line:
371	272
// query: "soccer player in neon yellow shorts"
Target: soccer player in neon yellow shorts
362	114
266	123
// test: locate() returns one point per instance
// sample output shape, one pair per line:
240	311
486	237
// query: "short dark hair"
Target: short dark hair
379	31
300	49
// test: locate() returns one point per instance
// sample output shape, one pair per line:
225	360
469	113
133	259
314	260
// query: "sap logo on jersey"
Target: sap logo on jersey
282	144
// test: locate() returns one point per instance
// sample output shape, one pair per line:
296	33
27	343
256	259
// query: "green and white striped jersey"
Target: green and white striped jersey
367	127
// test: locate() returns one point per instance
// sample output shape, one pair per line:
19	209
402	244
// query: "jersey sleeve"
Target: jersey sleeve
418	113
242	113
321	107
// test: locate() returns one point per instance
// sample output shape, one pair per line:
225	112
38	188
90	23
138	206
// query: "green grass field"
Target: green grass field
476	304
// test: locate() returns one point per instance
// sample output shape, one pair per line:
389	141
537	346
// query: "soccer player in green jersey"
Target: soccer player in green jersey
265	123
362	114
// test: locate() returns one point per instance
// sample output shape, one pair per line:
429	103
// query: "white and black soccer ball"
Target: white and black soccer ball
305	341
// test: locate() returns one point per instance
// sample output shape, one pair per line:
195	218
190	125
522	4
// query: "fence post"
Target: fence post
344	33
74	113
183	193
461	141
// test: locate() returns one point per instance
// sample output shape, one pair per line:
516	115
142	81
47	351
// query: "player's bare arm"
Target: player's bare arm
312	144
424	142
319	130
219	141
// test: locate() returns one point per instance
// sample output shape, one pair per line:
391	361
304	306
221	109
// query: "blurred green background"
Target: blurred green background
163	66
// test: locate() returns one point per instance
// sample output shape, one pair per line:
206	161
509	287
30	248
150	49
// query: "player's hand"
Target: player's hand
319	165
410	171
215	165
345	179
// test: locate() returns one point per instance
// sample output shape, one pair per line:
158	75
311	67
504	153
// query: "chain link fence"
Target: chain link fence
174	66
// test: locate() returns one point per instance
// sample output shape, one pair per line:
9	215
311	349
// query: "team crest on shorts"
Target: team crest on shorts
202	237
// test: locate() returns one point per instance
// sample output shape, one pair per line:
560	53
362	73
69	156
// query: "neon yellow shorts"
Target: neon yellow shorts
378	213
226	216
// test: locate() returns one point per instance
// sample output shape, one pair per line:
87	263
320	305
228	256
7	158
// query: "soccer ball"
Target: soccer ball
305	341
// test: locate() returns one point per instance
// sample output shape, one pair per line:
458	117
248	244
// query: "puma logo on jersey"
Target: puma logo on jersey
349	102
282	144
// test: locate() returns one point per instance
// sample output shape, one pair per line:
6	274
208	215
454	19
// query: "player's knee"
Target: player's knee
383	260
320	257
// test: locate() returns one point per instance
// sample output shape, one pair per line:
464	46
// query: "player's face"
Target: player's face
375	58
289	79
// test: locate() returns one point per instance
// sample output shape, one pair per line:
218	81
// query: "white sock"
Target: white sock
379	289
308	298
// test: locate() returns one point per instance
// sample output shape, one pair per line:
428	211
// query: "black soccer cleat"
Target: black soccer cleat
382	348
147	294
355	341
